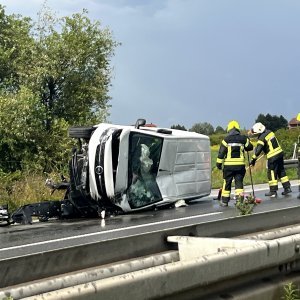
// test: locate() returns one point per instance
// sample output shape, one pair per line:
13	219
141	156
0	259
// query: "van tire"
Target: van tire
83	132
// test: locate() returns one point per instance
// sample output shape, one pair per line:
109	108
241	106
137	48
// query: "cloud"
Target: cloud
189	61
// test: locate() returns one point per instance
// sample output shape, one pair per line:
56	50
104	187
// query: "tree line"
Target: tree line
272	122
278	124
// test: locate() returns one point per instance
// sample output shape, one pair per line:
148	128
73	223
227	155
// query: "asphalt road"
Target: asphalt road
19	239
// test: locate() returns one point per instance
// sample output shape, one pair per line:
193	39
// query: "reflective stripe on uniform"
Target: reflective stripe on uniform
225	193
260	142
224	143
235	144
269	155
284	179
273	181
239	192
234	161
272	151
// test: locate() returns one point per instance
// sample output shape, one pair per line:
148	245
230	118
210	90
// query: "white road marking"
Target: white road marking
104	232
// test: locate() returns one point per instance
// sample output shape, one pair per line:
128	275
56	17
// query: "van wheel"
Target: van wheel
81	132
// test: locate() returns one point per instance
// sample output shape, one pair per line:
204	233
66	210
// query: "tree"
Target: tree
179	127
219	130
15	41
72	66
23	143
55	74
69	61
287	139
272	122
203	128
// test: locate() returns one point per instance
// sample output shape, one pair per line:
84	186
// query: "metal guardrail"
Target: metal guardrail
291	163
294	161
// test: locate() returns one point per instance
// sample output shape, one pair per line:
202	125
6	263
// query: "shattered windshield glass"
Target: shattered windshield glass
145	152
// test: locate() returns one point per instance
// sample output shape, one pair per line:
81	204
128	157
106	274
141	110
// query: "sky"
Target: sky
194	61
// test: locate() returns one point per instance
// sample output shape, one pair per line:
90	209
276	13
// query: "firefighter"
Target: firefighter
231	156
269	145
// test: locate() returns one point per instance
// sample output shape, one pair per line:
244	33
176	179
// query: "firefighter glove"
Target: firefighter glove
219	166
253	161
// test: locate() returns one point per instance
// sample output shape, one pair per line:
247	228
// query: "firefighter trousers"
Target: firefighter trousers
230	173
277	172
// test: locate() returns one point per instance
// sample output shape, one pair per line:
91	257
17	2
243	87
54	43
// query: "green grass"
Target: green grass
18	189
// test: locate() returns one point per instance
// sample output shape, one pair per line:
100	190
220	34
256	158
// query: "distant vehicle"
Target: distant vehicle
121	169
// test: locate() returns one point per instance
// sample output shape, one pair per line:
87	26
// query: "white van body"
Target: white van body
138	168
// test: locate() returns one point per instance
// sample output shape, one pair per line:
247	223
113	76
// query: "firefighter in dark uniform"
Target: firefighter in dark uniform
231	156
269	145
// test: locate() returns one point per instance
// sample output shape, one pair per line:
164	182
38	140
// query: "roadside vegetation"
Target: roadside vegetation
245	204
291	292
54	73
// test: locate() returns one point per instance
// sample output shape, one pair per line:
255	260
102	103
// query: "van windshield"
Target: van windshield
144	157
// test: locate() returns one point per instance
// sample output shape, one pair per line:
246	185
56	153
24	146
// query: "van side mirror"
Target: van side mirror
139	123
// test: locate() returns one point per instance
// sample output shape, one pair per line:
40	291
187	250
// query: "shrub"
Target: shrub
290	292
245	204
287	138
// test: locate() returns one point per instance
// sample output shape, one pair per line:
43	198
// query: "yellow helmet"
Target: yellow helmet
233	124
298	117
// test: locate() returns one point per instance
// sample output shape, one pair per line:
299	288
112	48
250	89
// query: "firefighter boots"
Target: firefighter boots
286	191
271	194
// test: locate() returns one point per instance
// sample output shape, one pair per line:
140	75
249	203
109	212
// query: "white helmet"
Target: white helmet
258	128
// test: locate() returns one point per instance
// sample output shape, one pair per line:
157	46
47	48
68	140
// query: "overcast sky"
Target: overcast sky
194	61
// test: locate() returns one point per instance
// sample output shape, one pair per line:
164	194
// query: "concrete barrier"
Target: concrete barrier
224	259
86	276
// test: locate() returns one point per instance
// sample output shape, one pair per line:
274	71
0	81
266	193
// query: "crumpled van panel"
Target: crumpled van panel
185	168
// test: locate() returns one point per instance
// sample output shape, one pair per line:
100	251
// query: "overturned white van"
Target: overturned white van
128	168
138	167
